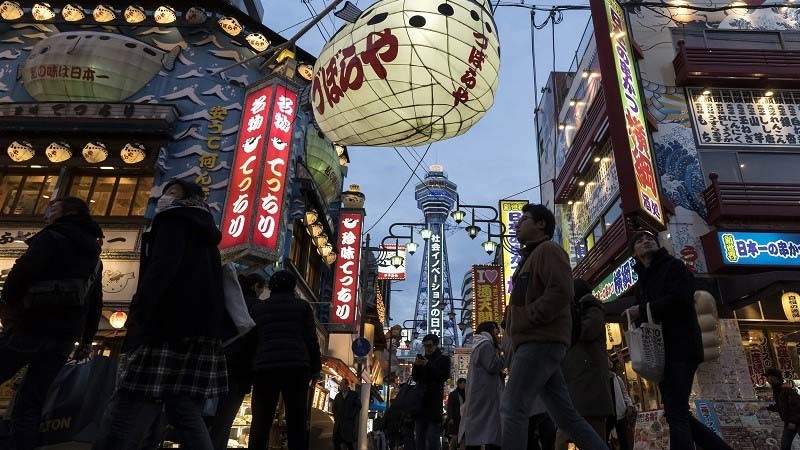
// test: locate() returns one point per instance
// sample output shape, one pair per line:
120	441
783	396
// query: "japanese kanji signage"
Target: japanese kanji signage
460	366
626	113
734	117
435	280
345	282
488	295
617	282
386	270
252	213
759	249
510	212
791	306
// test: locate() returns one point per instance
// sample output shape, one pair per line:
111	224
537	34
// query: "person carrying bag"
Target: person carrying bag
646	347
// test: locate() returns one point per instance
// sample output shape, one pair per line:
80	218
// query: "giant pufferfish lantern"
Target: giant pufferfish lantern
407	72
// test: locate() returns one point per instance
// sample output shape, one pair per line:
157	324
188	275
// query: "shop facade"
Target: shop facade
709	162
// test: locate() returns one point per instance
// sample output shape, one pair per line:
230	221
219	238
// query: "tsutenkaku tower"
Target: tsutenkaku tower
435	196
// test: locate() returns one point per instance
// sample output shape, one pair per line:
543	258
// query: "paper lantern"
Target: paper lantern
42	11
791	306
58	152
320	240
257	41
315	229
11	10
95	152
230	26
330	259
104	13
73	13
613	335
165	15
20	151
325	250
310	217
133	153
408	72
195	15
306	71
118	319
135	14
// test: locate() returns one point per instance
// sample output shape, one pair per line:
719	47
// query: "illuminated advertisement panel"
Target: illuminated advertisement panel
345	282
510	212
488	295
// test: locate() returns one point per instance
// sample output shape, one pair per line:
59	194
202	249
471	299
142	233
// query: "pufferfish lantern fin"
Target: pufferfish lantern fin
348	13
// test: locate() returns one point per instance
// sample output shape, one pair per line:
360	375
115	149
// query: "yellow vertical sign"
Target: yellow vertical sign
510	212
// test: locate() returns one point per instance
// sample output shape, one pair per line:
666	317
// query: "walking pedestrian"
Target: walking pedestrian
787	405
541	432
174	355
586	364
287	360
346	408
403	412
667	286
480	423
430	372
624	411
52	298
538	323
454	403
239	361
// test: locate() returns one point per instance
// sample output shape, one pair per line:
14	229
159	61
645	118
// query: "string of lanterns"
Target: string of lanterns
321	240
93	152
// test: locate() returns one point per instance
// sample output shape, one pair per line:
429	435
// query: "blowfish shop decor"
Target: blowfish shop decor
407	72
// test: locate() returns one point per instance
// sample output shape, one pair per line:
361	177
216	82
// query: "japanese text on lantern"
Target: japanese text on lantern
634	111
477	56
333	80
246	170
510	212
273	180
487	293
435	284
345	283
207	161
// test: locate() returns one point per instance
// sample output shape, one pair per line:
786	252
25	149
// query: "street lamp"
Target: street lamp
489	246
473	231
396	261
458	215
426	233
412	247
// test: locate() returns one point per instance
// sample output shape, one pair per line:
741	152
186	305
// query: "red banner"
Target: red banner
345	282
488	294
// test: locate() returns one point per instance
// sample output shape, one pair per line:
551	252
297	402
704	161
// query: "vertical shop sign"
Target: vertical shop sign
435	281
510	212
707	415
345	282
782	352
626	112
488	295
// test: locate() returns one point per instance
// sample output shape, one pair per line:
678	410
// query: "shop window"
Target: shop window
723	164
26	194
613	213
113	196
769	167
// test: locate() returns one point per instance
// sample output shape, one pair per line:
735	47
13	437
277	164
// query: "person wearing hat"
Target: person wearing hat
787	405
287	359
667	287
430	372
173	350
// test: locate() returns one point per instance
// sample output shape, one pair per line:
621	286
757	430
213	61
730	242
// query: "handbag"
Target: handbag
235	304
409	399
646	347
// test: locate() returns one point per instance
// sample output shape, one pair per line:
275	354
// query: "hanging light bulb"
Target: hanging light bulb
325	250
11	10
73	13
257	41
95	152
320	240
42	11
230	26
412	247
330	259
117	319
310	217
165	14
135	14
195	15
133	153
489	246
20	151
104	13
58	152
343	161
339	149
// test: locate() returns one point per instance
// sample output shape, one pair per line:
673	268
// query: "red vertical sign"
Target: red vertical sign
345	283
238	215
273	180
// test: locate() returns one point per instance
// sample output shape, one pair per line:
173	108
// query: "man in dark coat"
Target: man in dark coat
787	405
43	336
346	407
667	286
430	372
454	402
287	359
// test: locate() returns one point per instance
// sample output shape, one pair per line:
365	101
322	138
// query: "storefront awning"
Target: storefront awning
740	290
340	368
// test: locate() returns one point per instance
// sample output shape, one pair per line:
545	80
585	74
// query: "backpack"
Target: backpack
575	310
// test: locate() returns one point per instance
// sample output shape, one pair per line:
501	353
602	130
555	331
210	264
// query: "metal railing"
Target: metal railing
727	200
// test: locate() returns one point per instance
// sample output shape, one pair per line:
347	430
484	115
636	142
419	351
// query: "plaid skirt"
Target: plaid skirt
192	366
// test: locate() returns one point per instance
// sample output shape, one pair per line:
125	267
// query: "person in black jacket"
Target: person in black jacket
667	286
430	372
173	351
42	336
346	408
239	361
787	405
287	359
454	402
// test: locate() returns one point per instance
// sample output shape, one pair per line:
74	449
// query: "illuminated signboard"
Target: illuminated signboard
386	270
617	282
510	212
750	248
488	295
626	111
345	282
435	280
